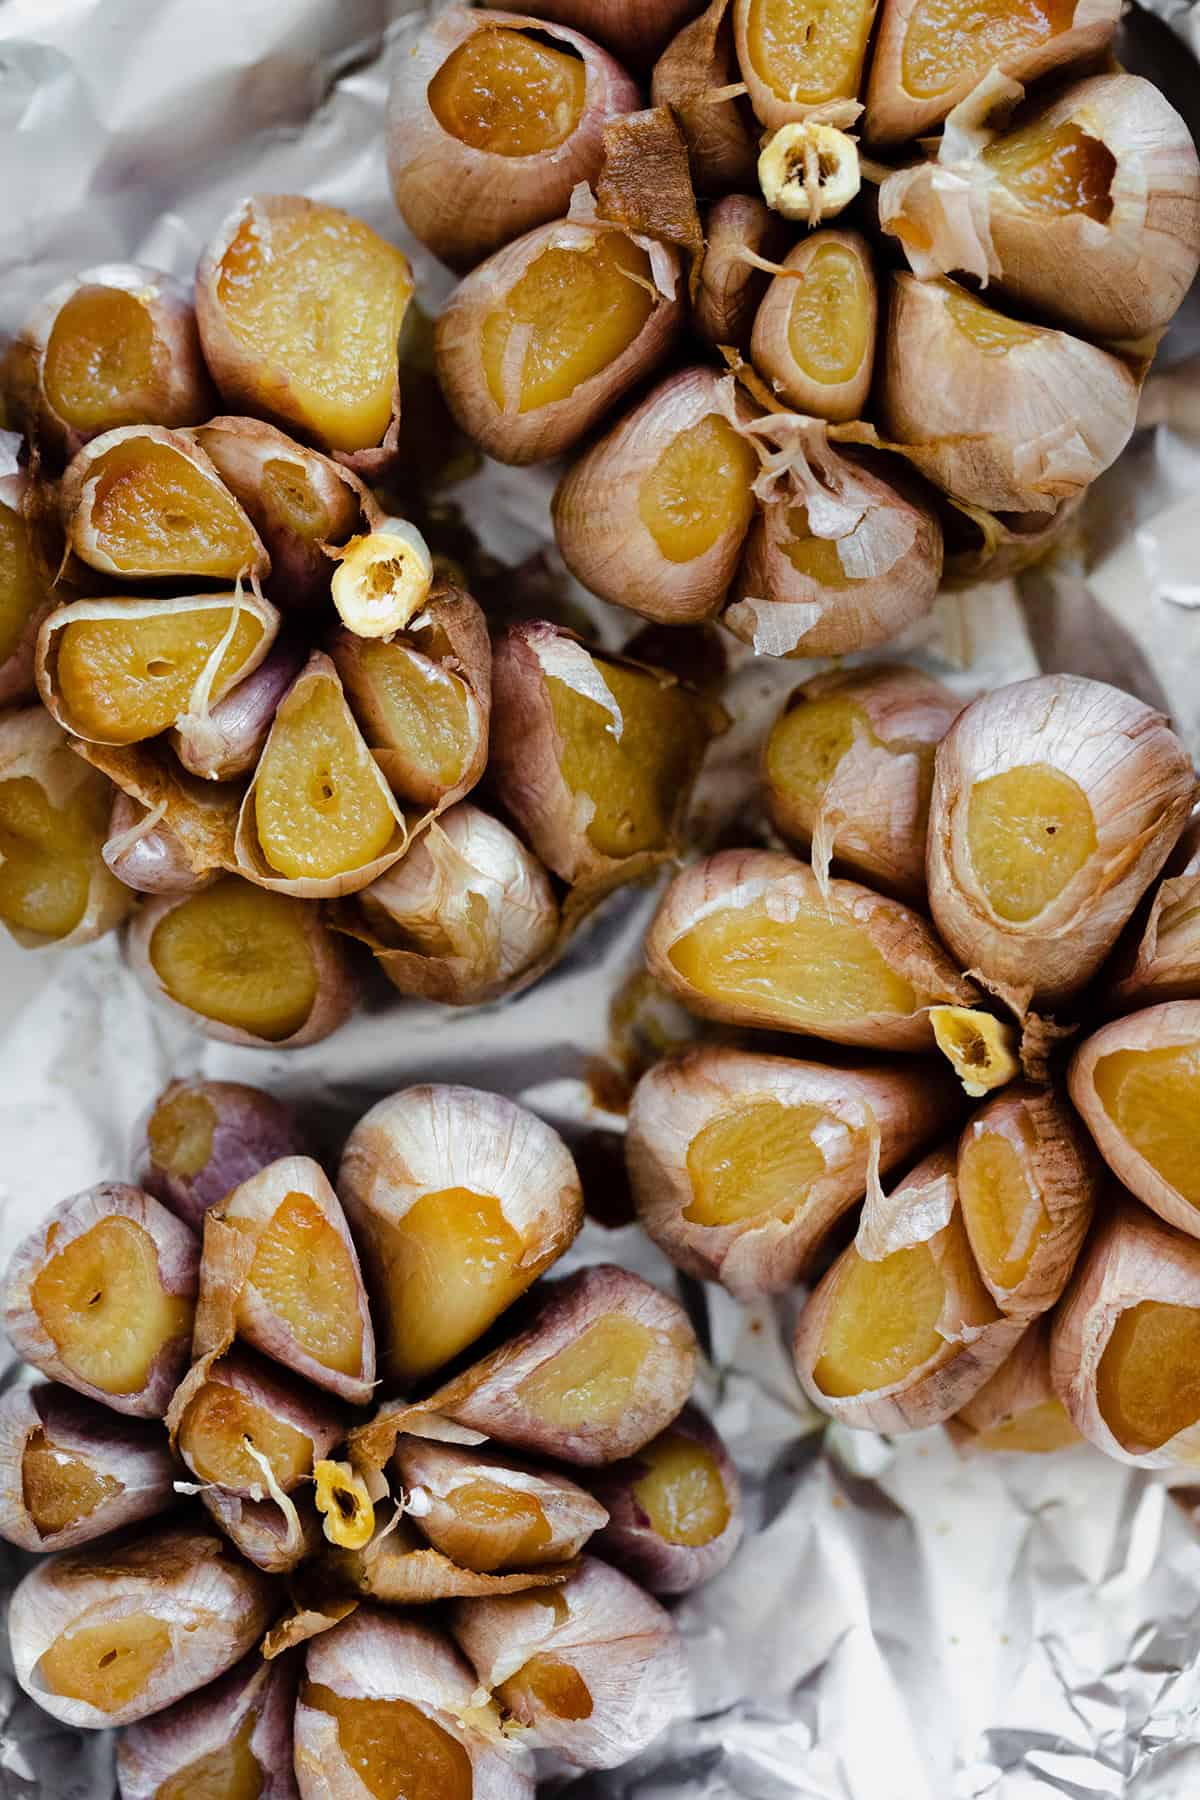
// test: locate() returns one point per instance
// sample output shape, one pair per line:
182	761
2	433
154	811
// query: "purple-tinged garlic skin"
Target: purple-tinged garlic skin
201	1139
212	1605
148	857
380	1655
251	1707
432	1473
281	1395
730	287
660	1563
274	1540
629	1666
177	1254
131	1457
228	740
635	30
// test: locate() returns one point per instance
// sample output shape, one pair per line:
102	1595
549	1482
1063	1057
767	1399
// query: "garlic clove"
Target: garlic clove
605	1364
798	61
1124	1341
55	887
108	1635
113	343
675	1509
467	916
281	1272
1022	417
635	30
1017	1410
147	854
928	58
741	234
70	1470
201	1138
742	1163
489	1512
168	833
1055	802
242	1425
1161	961
814	334
398	1568
545	335
982	1050
592	756
808	171
848	769
276	1537
595	1670
751	937
382	578
1136	1083
388	1701
273	260
460	1199
101	1295
493	119
653	516
226	740
699	61
346	1504
25	597
233	1738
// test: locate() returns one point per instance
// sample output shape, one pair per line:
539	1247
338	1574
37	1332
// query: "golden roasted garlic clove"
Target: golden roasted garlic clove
107	1635
224	741
675	1509
1028	1182
536	344
742	1163
984	1051
277	262
605	1363
25	597
930	54
808	171
798	60
382	578
814	334
423	699
593	756
241	1424
595	1669
460	1199
201	1139
848	769
1020	418
1087	208
318	819
467	916
101	1296
698	63
741	235
120	670
493	119
388	1705
233	1739
70	1470
55	887
1055	802
902	1339
1162	959
1017	1410
751	937
147	854
244	965
113	345
842	556
491	1513
1136	1083
653	516
1126	1339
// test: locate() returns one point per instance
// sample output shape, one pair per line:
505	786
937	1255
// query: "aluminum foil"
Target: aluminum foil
901	1624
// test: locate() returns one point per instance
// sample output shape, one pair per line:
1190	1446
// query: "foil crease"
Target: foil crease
902	1623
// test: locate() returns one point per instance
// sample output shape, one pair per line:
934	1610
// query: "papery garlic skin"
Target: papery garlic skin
621	1655
239	1727
456	1500
201	1138
634	30
147	856
612	528
1161	961
700	58
226	740
856	1123
128	1459
380	1656
773	348
466	917
730	286
1117	786
699	1537
275	1539
463	200
982	544
769	895
128	1224
203	1605
1022	418
1017	1410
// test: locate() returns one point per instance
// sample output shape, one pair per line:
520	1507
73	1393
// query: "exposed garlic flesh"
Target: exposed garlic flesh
808	171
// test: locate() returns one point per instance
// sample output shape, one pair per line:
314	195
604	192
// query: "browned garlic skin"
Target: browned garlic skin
212	1605
1139	785
895	1108
462	202
1161	960
432	1473
148	857
729	286
228	739
255	1694
622	1646
130	1455
200	1139
631	1539
1017	1410
177	1256
634	30
721	147
770	345
512	436
398	1567
380	1655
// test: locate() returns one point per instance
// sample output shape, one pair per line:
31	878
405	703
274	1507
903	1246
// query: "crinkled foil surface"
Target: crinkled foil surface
901	1624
